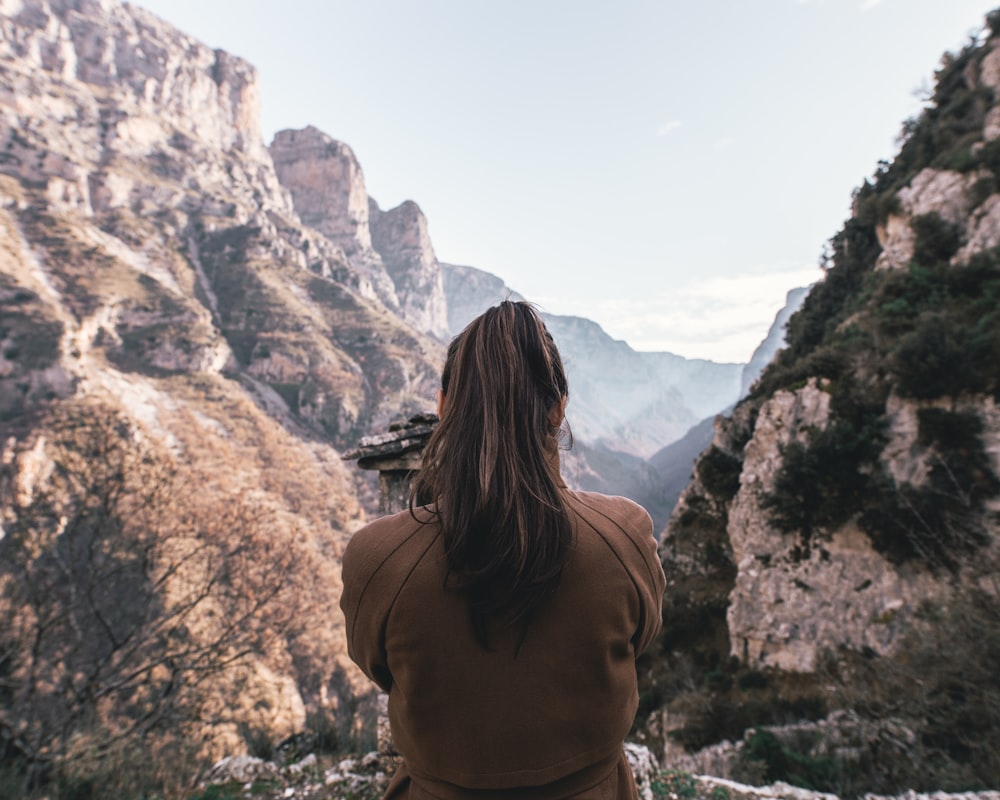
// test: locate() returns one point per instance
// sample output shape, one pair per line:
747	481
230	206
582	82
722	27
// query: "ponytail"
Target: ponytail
491	467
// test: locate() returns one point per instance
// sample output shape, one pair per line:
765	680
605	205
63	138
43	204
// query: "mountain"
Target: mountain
833	614
194	327
184	353
470	291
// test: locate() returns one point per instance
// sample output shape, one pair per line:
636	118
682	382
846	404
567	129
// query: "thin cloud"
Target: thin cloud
668	127
720	319
868	5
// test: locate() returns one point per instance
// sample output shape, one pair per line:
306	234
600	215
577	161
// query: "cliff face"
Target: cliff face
400	236
158	287
392	247
843	524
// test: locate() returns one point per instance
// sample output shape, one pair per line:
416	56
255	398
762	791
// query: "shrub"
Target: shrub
822	484
676	784
937	240
90	680
941	520
777	762
719	473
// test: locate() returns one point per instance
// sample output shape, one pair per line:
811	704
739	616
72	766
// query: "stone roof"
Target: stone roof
404	436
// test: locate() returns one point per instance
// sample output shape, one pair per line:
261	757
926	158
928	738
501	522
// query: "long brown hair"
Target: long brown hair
491	467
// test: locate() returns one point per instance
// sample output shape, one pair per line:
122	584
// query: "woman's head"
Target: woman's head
504	378
492	468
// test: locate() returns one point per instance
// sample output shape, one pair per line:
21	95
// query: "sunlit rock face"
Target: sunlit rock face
153	266
393	248
401	238
328	190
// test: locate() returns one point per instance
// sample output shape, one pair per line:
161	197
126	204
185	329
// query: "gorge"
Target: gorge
195	326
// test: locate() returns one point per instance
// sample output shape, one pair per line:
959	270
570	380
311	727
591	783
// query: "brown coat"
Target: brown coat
543	721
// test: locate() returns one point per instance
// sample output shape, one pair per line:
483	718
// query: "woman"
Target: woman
504	618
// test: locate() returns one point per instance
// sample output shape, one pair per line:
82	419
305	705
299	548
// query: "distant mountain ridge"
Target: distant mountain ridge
621	399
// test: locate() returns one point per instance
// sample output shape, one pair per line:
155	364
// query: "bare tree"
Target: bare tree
121	594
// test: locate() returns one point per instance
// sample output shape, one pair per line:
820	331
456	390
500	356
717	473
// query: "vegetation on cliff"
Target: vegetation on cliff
891	341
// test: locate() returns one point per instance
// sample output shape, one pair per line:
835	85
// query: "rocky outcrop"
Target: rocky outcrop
392	248
328	190
400	236
945	193
787	607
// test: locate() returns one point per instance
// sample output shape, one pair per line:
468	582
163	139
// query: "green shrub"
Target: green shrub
936	240
719	473
675	784
933	359
822	484
943	519
779	763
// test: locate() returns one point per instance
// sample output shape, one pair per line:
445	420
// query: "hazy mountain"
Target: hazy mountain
774	340
620	399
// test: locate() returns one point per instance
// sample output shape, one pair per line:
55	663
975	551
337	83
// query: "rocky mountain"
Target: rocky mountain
834	561
183	357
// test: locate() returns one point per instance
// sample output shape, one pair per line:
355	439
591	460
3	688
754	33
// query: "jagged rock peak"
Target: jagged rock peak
401	238
327	186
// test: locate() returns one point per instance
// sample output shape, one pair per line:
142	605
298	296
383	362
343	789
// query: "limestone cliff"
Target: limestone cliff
401	238
841	530
328	190
158	287
392	247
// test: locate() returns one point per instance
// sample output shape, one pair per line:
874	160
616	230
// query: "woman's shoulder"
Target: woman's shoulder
620	512
381	539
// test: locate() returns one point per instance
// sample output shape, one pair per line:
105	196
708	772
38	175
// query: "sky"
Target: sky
667	169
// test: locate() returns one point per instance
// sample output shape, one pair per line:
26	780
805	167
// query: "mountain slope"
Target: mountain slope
835	556
162	303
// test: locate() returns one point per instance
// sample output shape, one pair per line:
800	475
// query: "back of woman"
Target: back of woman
504	618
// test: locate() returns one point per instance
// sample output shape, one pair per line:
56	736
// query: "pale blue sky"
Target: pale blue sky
667	169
